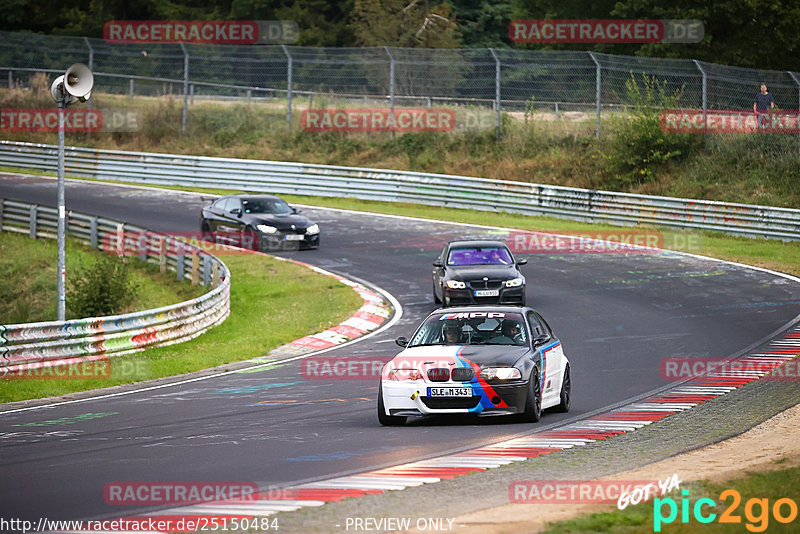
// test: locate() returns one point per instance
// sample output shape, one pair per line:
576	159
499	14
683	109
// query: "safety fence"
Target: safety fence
404	186
498	79
36	345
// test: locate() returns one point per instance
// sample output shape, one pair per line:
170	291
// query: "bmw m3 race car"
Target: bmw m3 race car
483	360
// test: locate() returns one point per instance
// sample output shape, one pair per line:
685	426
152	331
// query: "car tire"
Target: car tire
387	420
533	401
436	298
566	393
205	232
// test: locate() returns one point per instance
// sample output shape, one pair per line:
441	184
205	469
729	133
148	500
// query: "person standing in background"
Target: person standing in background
762	103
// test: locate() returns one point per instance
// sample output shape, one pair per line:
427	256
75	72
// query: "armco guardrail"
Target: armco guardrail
403	186
34	345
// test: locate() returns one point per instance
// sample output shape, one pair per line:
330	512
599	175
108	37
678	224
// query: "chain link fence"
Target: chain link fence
562	84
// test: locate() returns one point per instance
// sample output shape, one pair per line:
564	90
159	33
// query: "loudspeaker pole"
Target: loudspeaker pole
62	215
74	86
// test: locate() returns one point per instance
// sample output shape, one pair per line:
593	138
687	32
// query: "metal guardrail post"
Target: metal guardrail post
162	255
93	232
288	85
798	108
206	270
142	247
496	92
705	94
185	86
179	259
32	221
597	94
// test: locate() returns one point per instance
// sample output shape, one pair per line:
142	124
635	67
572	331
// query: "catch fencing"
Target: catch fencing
295	77
36	345
405	186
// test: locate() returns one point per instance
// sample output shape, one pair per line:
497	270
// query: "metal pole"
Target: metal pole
391	80
705	95
185	86
798	107
496	92
130	88
61	269
91	63
288	85
597	94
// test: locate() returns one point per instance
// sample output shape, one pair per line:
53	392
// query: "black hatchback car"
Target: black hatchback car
478	272
258	222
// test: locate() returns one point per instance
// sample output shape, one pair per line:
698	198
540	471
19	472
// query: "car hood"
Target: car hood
458	355
281	222
467	272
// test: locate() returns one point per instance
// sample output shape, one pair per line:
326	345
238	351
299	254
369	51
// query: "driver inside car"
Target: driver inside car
510	334
451	332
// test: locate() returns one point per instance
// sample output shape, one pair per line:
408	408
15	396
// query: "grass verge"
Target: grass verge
753	513
31	265
272	303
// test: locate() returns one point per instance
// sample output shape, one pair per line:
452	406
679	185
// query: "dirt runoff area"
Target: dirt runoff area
755	450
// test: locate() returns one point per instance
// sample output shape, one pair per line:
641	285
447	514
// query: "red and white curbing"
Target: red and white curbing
369	317
599	427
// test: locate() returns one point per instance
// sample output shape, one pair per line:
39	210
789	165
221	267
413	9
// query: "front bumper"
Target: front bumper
279	241
507	295
504	399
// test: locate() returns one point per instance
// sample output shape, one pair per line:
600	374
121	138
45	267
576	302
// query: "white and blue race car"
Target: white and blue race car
483	360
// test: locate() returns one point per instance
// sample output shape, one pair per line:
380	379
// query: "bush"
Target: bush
639	145
102	288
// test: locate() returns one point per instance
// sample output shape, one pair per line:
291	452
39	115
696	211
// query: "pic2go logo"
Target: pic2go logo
756	511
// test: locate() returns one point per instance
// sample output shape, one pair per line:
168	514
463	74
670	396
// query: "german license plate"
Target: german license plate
487	292
294	237
449	392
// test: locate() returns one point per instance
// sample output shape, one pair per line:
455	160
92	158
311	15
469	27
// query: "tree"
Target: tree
404	23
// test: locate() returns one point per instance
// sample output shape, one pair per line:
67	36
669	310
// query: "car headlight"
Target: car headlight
500	373
515	282
313	229
456	284
267	229
404	374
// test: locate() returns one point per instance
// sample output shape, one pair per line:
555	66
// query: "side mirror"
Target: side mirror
438	264
295	210
237	212
522	261
540	340
403	342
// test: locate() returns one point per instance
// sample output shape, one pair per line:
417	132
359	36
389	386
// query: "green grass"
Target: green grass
772	485
31	265
272	303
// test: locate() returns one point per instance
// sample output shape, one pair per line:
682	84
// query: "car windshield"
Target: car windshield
472	328
272	206
479	256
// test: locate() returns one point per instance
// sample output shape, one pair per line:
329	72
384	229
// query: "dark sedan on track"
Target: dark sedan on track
258	222
478	272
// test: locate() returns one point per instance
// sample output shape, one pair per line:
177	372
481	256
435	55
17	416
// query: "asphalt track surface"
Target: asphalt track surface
618	315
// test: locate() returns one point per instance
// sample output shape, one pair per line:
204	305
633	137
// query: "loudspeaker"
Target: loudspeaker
78	81
76	84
